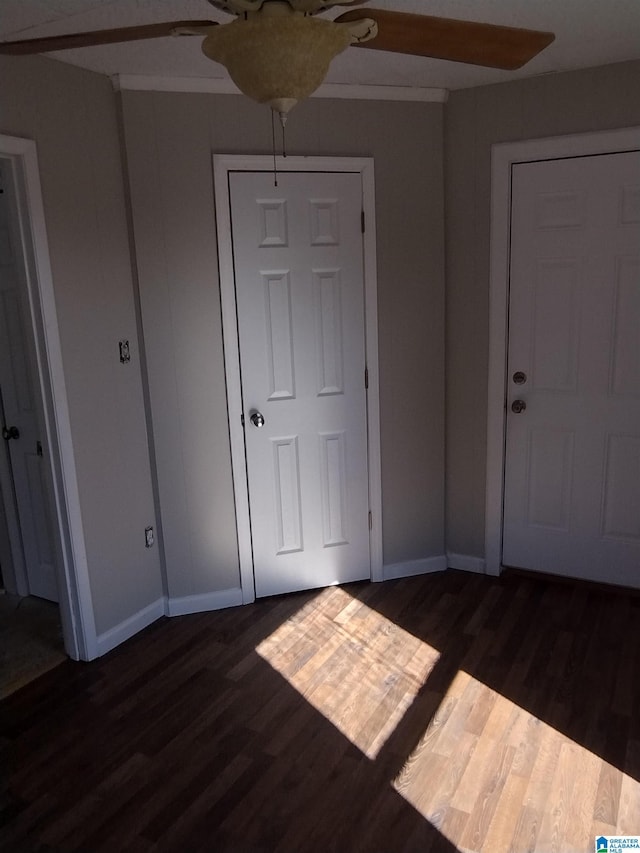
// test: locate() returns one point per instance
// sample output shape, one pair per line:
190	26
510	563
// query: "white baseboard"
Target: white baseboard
233	597
199	603
126	629
164	607
414	567
464	563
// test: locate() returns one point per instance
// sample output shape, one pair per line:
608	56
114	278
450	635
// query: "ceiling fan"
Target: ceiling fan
278	51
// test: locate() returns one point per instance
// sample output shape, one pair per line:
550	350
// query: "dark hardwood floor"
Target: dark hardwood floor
440	713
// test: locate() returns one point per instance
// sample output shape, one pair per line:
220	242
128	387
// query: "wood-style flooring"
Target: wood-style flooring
440	713
30	640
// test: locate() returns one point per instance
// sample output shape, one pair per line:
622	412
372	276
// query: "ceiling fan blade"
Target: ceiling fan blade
98	37
446	38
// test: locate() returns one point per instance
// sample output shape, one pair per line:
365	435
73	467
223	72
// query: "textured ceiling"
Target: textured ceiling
588	33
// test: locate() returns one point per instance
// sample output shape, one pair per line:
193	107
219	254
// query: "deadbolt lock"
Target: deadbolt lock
519	377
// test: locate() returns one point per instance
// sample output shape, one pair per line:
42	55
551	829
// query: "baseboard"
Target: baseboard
130	626
208	601
410	568
233	597
164	607
465	563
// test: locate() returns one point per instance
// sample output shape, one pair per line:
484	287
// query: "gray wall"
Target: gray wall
72	116
169	140
552	105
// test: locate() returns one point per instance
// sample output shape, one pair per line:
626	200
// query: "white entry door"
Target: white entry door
572	474
298	266
23	480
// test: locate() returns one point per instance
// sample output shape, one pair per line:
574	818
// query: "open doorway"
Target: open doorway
43	565
30	624
28	564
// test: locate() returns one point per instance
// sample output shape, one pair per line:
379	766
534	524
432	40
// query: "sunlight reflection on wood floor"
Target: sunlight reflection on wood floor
487	773
359	669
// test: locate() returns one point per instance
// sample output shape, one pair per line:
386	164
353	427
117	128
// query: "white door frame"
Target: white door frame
76	608
223	164
503	157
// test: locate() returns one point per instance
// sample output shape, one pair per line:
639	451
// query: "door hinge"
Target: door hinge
362	228
370	520
366	378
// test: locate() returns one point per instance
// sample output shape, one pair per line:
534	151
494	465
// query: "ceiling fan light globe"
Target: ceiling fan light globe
279	60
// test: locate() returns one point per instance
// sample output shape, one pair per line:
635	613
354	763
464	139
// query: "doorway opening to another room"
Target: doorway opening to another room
42	556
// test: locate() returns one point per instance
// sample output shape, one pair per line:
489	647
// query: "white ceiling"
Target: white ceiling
588	33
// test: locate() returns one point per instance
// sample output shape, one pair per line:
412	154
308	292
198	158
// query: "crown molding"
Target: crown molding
224	86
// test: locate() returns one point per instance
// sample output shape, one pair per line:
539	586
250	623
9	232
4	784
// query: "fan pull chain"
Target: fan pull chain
283	123
273	148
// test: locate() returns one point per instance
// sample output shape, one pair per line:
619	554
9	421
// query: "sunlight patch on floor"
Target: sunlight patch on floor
488	773
356	667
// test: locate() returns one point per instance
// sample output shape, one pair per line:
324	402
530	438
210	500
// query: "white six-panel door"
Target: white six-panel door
572	471
298	266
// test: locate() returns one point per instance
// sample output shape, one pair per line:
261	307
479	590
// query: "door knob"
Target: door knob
518	406
257	419
10	432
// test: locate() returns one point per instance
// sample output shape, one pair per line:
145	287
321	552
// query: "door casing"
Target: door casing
24	489
503	156
76	609
223	164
